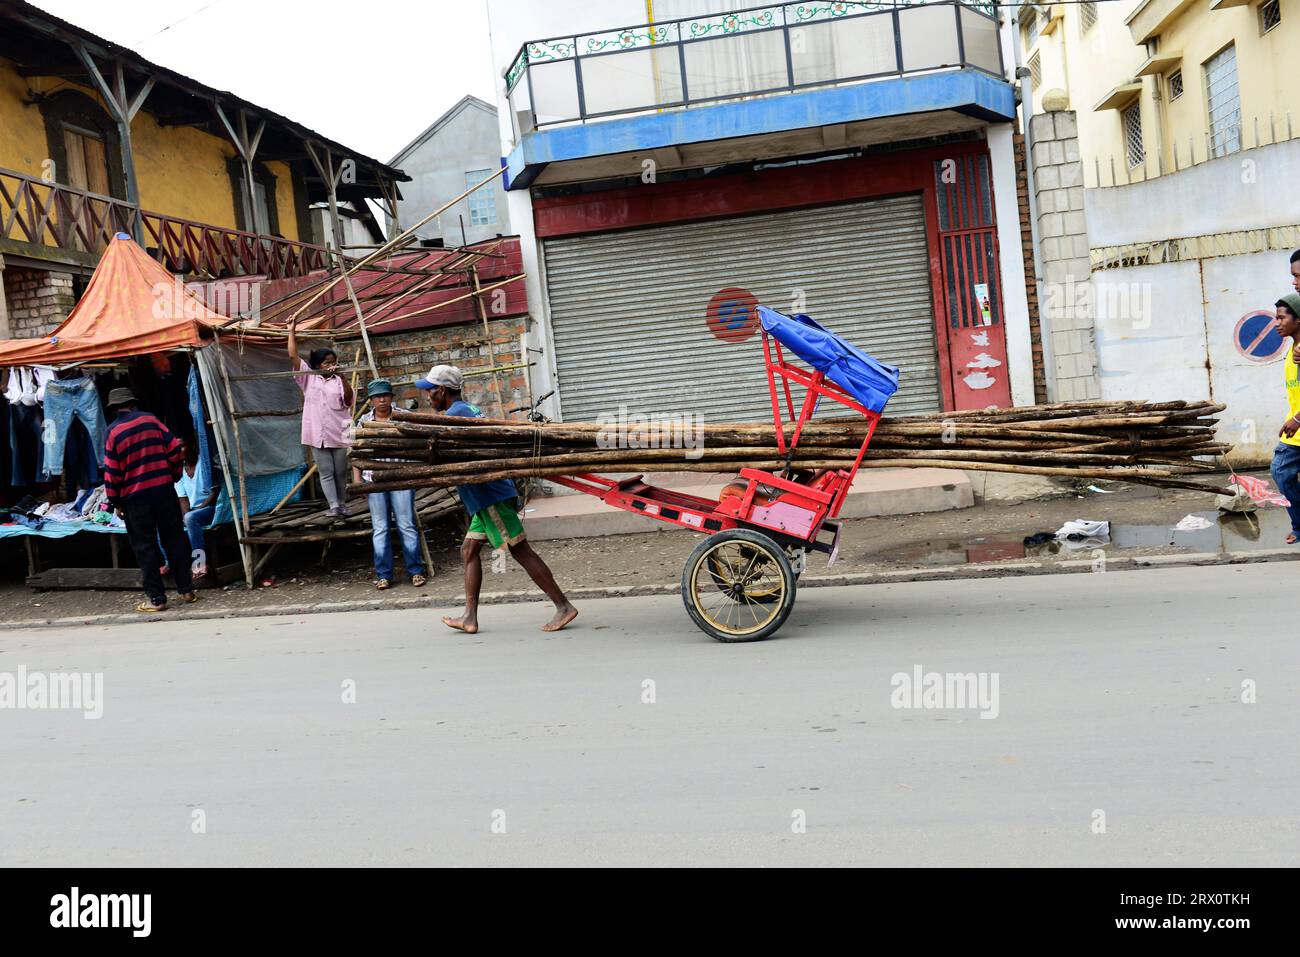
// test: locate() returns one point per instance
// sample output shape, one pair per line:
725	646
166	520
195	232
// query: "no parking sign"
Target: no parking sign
1256	338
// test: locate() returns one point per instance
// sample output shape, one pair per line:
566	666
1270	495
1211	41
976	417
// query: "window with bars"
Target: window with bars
1134	151
1175	85
1087	16
483	204
1270	15
1224	102
1035	71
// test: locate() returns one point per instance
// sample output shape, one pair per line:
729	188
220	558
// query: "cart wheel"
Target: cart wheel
723	568
738	586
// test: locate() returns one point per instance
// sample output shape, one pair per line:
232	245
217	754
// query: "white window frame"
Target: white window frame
483	204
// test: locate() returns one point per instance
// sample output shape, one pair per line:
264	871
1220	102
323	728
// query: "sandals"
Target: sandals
418	581
383	584
190	597
146	607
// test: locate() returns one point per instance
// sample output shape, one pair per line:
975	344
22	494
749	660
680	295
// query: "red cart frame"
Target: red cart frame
794	513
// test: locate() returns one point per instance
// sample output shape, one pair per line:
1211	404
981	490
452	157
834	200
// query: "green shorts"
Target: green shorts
499	524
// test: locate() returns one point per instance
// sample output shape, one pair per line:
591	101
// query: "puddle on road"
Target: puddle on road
1265	529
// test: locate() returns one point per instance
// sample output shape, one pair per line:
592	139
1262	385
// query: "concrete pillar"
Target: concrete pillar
1065	301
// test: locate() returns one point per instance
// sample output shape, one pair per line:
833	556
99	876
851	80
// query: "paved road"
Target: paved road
1118	692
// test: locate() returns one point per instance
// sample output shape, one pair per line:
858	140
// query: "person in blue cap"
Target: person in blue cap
400	504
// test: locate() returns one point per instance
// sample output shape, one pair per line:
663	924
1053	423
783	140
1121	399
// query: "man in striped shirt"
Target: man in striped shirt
142	461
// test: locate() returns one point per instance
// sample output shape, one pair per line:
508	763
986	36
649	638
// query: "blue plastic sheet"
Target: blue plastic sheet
58	529
264	493
869	381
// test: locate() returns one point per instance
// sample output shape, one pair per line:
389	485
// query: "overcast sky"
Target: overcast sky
371	74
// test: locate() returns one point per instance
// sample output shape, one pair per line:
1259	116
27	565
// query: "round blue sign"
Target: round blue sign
1256	338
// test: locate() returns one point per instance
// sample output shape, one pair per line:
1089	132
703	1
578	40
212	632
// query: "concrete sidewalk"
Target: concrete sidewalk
875	492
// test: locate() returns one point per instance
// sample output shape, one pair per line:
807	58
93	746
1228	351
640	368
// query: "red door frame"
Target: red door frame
772	190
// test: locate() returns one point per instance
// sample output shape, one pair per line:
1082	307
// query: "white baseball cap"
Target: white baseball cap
448	376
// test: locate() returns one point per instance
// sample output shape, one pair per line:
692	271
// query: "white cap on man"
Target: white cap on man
448	376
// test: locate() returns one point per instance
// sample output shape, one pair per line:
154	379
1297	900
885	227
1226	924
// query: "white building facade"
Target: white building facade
670	166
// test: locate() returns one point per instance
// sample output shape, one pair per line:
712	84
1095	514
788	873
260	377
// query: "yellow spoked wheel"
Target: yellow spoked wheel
738	585
723	568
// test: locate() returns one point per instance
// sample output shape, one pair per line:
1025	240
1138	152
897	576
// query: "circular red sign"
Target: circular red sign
732	314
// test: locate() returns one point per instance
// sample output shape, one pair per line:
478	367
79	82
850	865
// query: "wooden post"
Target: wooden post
487	331
123	109
240	527
331	177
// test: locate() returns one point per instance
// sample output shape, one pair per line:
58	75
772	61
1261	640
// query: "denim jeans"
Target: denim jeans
64	400
196	521
1286	465
25	444
403	508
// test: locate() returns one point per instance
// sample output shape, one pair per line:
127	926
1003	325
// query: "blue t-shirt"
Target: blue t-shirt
477	497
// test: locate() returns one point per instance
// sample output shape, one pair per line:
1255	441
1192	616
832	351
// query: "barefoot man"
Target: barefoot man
494	518
1286	457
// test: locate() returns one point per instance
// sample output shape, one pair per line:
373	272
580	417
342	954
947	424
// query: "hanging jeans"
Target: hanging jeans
154	516
333	467
25	429
403	508
66	399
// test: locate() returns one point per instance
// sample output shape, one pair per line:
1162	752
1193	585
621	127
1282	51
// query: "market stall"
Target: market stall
135	325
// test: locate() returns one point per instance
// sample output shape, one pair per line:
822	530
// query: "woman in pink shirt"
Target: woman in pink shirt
326	416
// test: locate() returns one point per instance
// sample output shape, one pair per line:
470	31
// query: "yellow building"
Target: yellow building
94	139
1159	85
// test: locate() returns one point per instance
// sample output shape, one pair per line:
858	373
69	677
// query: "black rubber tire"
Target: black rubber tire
774	553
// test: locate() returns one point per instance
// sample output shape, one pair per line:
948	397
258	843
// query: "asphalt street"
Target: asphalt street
1121	736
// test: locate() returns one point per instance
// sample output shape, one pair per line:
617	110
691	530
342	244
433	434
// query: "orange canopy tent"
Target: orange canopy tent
133	306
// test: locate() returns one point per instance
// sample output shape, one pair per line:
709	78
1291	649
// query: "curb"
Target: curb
946	573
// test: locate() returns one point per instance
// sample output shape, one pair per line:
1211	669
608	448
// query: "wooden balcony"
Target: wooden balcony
60	225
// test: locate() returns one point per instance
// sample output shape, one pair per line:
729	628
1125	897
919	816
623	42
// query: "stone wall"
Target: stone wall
403	357
1065	299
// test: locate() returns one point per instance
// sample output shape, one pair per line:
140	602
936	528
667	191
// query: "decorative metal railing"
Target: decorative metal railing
41	216
744	53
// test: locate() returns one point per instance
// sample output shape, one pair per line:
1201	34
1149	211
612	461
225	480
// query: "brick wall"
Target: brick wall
1065	300
38	300
1027	254
403	357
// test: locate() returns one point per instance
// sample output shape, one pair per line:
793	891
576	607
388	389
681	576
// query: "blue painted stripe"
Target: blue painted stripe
966	91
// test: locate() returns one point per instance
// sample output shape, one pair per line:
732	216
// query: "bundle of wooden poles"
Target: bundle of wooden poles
1152	443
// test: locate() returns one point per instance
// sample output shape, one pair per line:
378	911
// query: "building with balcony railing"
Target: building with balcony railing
96	140
670	164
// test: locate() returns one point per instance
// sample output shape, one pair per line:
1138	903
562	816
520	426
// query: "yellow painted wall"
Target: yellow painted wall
1088	65
22	132
182	170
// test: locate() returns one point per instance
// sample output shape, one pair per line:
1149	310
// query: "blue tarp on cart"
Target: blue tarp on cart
869	381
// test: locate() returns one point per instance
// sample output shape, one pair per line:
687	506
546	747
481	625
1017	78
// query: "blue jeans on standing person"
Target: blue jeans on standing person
1286	465
64	400
402	505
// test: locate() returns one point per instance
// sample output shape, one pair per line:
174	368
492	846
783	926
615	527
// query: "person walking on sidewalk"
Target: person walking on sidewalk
400	503
142	463
1286	457
326	417
494	518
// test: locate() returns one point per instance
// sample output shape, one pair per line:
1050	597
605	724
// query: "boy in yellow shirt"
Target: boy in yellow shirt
1286	457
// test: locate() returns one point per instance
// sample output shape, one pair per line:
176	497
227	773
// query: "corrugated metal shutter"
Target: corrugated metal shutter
629	308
